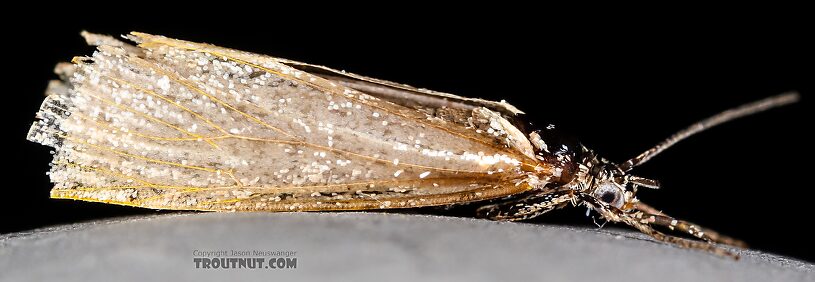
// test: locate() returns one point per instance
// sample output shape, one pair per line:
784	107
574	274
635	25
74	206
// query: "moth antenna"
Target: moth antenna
728	115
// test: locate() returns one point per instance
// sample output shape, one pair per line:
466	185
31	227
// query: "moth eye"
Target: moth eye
609	194
608	197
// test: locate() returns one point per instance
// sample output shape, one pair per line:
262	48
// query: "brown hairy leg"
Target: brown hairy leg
649	215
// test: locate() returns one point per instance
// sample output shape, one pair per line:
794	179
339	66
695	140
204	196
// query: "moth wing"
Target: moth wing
404	94
180	125
450	107
387	194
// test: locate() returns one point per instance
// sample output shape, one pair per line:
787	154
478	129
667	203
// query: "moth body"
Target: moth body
172	124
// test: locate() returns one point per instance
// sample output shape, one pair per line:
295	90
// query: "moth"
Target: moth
172	124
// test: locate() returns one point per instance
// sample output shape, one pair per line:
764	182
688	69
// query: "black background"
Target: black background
619	84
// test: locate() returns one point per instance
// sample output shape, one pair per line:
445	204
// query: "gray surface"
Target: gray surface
368	247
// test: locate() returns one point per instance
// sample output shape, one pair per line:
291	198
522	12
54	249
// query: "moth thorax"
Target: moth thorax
559	151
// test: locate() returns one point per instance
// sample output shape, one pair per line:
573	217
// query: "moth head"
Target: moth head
614	187
611	190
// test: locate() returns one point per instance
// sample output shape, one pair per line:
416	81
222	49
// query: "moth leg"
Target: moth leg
681	242
527	207
644	225
643	207
687	227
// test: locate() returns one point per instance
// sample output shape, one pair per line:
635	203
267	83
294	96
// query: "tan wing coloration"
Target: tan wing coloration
402	94
172	124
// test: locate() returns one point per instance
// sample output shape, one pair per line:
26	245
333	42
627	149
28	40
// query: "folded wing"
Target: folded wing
172	124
